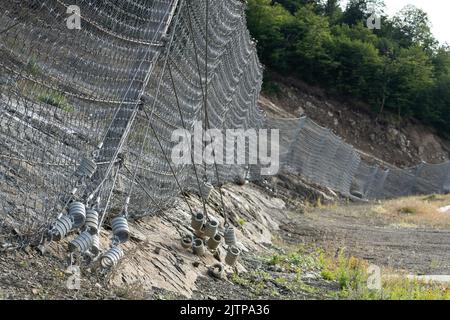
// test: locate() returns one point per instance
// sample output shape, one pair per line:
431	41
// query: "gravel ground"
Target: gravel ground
418	250
31	274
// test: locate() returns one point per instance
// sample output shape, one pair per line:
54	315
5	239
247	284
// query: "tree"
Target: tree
359	10
398	68
441	62
293	5
412	27
332	10
267	23
412	74
357	67
436	102
312	34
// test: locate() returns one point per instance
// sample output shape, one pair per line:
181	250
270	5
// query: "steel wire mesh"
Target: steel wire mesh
115	91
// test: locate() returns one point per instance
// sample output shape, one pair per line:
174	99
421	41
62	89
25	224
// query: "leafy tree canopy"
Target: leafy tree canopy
400	68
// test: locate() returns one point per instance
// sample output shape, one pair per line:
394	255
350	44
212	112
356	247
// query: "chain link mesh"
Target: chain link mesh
114	92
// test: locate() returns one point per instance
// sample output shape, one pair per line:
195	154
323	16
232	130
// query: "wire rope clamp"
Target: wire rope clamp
217	270
111	257
187	241
230	236
199	247
61	228
82	243
91	224
233	254
197	221
211	228
206	190
120	229
86	169
214	242
77	211
200	233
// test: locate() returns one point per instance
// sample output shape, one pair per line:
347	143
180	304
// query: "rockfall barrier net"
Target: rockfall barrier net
87	112
323	158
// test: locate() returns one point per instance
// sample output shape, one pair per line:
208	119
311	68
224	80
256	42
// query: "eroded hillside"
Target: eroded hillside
402	143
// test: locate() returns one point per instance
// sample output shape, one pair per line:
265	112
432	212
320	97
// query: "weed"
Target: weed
275	260
274	293
242	222
327	275
349	274
57	100
434	264
33	67
281	281
406	289
255	282
235	278
415	211
319	203
408	210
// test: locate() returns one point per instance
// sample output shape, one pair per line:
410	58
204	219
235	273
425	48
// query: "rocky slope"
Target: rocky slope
282	209
403	143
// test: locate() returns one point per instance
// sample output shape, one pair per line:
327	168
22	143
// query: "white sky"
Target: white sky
438	10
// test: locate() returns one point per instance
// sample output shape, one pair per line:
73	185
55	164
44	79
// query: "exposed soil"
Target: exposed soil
156	267
264	285
419	250
29	274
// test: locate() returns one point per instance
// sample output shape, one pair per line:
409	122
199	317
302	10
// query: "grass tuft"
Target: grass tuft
57	100
416	211
33	67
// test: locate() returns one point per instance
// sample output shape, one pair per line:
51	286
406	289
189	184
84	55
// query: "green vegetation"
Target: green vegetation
400	68
55	99
33	67
336	276
242	222
404	289
415	211
256	281
352	276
